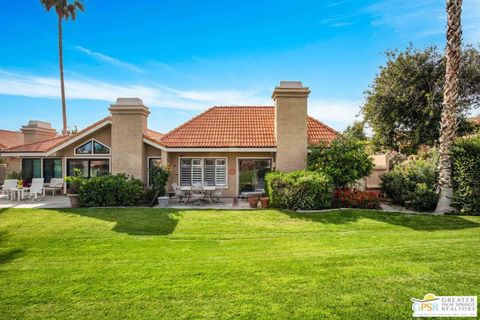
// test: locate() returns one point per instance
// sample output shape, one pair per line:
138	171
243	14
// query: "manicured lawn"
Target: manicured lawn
159	264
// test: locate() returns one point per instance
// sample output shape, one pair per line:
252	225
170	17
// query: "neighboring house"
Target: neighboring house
231	147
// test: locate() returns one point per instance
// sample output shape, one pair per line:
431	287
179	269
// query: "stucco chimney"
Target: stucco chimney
36	131
129	123
291	125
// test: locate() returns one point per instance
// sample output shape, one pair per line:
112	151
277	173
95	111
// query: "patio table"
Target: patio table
18	192
206	189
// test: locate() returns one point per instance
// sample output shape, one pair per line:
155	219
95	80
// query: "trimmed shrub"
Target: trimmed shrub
307	190
345	161
354	198
413	184
111	190
466	175
158	179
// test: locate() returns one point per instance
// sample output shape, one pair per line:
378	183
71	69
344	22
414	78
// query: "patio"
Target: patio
42	202
226	203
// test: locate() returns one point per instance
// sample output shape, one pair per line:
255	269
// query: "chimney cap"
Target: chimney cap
129	102
38	124
291	84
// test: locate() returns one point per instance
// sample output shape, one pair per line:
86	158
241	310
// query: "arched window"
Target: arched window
92	147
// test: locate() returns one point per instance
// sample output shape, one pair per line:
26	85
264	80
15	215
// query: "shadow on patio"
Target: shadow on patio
414	222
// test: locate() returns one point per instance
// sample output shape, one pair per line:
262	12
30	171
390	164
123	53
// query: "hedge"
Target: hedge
307	190
466	175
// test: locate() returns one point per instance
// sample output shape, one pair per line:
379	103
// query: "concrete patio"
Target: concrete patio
226	203
46	202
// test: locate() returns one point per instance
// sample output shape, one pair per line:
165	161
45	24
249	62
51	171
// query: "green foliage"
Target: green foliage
158	179
466	175
110	190
413	184
356	131
14	175
299	190
403	105
74	182
345	161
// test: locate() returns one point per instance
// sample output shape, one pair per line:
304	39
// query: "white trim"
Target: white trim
93	149
23	154
148	167
203	168
79	137
237	171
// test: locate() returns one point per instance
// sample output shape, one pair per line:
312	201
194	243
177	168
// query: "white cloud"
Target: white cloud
18	84
338	113
110	60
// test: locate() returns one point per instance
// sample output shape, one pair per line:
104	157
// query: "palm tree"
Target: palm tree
64	10
450	97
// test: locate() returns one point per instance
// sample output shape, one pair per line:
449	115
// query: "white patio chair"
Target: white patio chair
8	184
178	193
54	185
36	188
217	194
197	195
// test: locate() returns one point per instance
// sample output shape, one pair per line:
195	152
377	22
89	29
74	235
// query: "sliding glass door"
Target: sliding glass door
251	173
52	168
89	167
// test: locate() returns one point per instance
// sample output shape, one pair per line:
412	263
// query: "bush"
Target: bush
110	190
345	161
300	189
466	175
413	184
354	198
158	179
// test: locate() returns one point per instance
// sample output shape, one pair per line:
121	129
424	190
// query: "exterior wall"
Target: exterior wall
382	165
14	164
152	152
232	170
103	136
291	125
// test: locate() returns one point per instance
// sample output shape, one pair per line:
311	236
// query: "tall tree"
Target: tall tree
404	104
64	10
448	126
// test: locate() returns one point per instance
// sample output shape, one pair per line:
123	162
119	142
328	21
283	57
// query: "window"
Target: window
31	168
52	168
92	147
89	167
153	162
251	173
208	171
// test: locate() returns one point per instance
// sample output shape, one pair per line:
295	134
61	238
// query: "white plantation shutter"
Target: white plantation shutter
220	172
209	175
197	171
186	172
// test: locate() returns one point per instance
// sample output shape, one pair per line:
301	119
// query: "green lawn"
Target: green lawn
158	264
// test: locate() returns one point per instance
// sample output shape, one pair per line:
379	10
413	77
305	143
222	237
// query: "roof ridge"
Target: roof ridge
12	131
323	124
166	135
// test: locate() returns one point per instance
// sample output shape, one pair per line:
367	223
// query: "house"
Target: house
232	147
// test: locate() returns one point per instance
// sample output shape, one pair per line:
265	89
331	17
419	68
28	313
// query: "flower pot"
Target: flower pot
163	202
74	200
253	202
265	201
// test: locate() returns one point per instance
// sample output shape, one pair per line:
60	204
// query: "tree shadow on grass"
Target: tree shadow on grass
134	221
412	221
10	254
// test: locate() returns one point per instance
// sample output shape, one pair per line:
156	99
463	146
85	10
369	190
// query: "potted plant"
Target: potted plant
158	176
253	202
74	182
265	201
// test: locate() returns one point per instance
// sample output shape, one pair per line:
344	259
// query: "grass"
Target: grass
167	264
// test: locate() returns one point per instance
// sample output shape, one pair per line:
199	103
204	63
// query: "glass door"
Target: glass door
251	173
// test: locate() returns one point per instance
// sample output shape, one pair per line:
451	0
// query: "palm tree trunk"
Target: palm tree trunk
450	97
62	82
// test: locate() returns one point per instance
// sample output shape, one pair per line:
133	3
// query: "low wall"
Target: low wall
382	165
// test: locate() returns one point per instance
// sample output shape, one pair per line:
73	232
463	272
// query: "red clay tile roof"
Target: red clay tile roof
46	145
10	139
243	127
475	120
154	134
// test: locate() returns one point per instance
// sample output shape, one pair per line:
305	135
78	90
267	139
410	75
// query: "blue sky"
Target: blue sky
182	56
